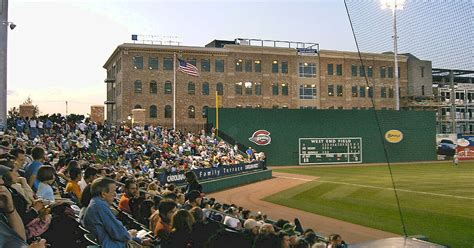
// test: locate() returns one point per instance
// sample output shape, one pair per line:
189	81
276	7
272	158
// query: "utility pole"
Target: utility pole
3	64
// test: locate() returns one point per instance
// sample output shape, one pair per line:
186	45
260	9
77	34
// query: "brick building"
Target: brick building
140	76
97	113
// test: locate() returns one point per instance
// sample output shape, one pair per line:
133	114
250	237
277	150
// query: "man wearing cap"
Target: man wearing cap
194	200
289	229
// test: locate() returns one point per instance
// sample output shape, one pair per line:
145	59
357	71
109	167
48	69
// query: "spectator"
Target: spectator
202	229
268	241
231	219
46	176
194	200
100	220
335	241
182	223
163	227
251	230
90	174
192	181
72	186
31	170
131	190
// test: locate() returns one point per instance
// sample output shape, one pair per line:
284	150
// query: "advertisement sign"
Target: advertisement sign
393	136
465	147
210	173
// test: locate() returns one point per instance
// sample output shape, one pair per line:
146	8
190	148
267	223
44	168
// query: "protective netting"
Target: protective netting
438	30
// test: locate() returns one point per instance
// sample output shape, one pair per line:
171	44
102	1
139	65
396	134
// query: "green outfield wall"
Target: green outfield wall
288	126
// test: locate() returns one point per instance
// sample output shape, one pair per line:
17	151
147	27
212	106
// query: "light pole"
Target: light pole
395	5
4	24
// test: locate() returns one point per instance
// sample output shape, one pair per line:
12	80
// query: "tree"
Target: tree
29	101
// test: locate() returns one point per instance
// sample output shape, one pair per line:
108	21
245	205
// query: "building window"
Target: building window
258	65
330	69
137	106
422	90
330	90
390	92
275	107
138	62
258	89
168	111
275	66
205	88
308	91
371	91
390	72
248	65
168	64
370	71
258	106
219	65
168	87
238	65
399	71
284	89
204	111
220	89
153	63
339	90
275	89
383	92
138	86
248	106
339	69
191	88
362	71
248	88
354	91
206	65
422	71
153	87
191	112
238	106
354	70
361	91
307	70
153	111
238	88
192	61
284	67
382	72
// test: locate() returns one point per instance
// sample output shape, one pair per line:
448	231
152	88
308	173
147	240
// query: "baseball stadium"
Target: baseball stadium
241	142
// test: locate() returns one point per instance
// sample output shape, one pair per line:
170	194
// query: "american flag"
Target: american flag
187	68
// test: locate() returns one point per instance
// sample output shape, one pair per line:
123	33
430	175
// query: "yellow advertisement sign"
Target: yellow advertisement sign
394	136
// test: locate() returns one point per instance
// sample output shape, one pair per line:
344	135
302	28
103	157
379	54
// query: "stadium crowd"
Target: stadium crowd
69	184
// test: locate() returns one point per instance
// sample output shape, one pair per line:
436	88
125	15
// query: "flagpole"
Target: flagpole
217	113
174	91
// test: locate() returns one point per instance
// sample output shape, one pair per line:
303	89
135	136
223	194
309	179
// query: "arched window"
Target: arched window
191	88
191	112
168	111
153	111
137	106
168	87
238	88
153	87
220	89
138	86
204	112
205	88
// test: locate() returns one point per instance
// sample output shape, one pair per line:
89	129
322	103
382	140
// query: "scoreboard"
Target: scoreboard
330	150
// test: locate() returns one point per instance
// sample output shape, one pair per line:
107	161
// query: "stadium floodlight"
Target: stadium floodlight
395	5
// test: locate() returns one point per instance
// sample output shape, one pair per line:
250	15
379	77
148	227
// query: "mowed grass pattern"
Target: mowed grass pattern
446	219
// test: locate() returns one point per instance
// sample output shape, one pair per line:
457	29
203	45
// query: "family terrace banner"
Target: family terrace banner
210	173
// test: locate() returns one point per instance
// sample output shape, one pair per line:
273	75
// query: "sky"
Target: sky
57	50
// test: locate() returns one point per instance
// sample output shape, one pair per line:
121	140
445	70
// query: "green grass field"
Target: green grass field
437	200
